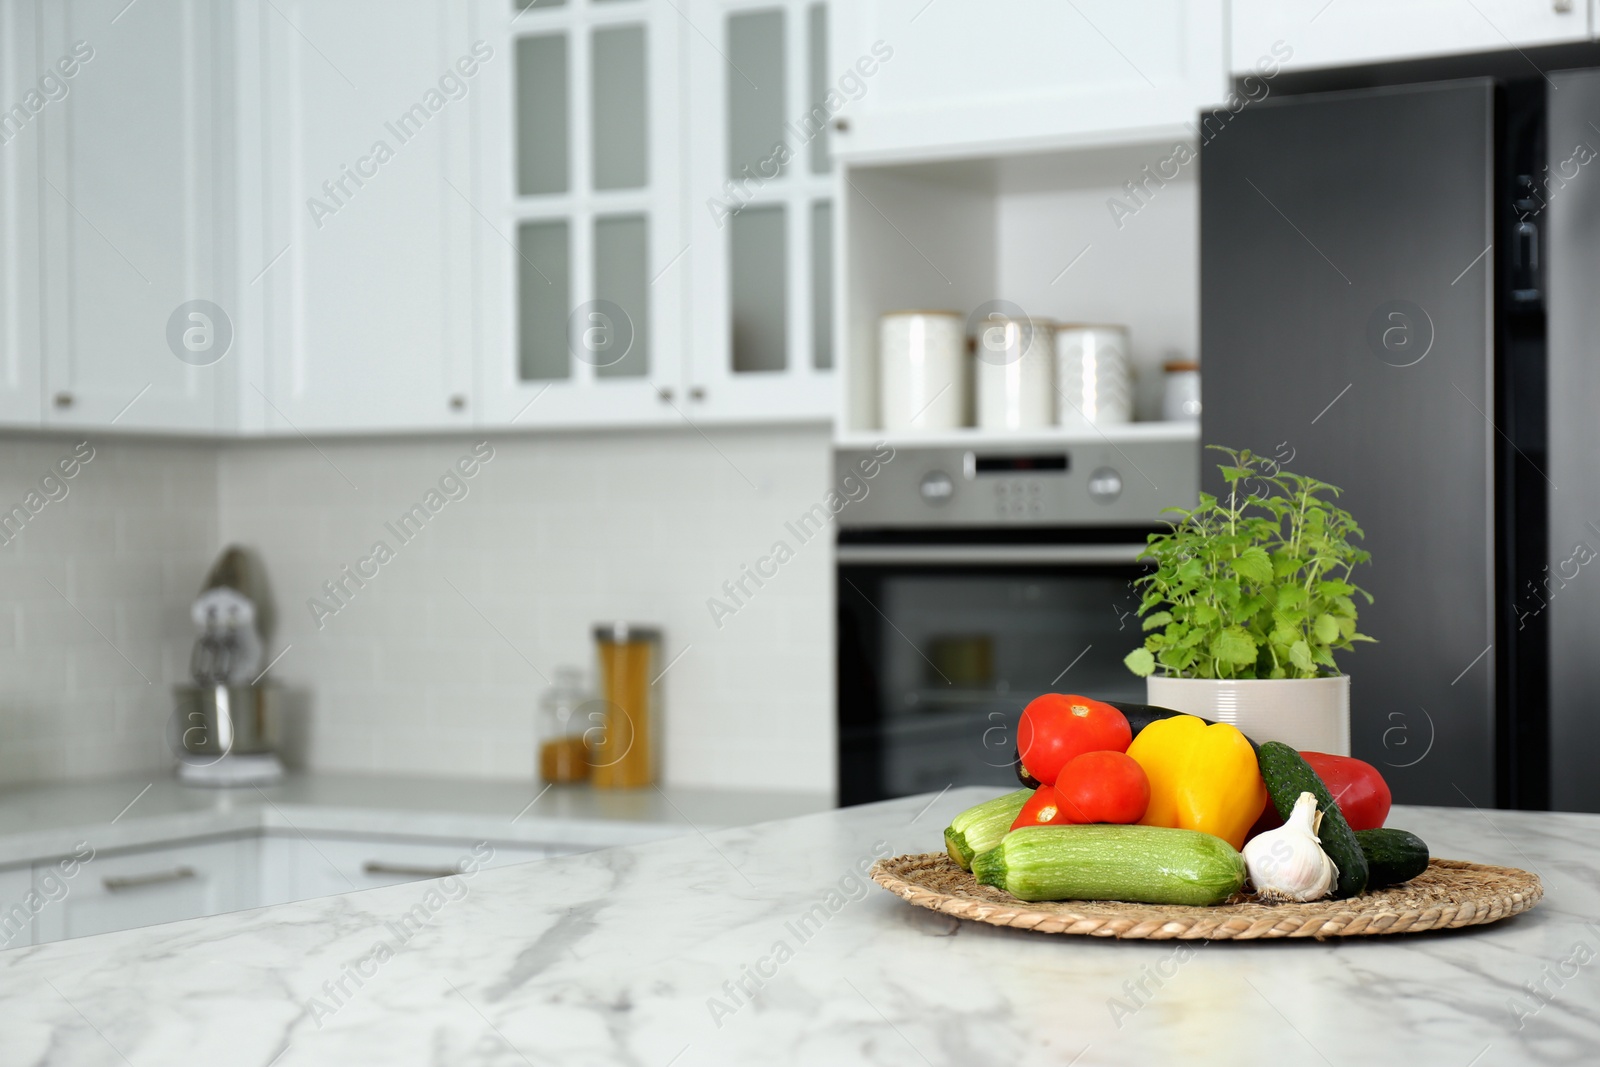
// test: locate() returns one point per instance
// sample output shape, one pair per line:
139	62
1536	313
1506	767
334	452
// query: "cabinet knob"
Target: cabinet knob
63	400
458	402
697	393
843	124
1563	6
665	393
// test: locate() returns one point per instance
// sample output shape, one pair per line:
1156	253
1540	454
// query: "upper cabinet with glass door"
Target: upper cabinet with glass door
760	206
1015	75
581	248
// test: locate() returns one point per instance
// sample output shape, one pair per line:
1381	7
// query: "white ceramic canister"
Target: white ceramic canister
922	381
1181	400
1094	376
1015	373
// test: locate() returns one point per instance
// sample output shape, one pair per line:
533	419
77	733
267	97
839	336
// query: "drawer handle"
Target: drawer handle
407	871
139	881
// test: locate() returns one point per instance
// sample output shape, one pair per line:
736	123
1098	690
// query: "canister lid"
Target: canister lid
623	632
1175	366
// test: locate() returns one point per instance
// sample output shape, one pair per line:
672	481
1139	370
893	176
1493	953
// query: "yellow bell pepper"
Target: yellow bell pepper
1201	777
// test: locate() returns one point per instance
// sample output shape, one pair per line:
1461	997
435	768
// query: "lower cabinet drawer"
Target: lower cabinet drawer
119	891
298	868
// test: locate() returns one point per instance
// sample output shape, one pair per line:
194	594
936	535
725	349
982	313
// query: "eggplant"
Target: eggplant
1141	715
1022	772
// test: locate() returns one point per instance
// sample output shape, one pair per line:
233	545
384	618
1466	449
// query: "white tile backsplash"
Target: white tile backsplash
435	663
94	592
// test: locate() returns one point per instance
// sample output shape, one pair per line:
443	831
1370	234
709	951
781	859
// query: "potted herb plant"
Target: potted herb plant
1250	598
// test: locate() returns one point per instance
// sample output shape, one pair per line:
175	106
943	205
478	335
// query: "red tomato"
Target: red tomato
1103	787
1042	809
1357	787
1057	727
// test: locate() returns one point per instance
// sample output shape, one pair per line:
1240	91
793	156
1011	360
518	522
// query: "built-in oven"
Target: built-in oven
972	580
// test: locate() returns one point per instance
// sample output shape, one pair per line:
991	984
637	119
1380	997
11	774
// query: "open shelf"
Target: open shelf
1040	231
972	437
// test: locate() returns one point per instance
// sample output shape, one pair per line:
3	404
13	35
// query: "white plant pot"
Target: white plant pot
1307	714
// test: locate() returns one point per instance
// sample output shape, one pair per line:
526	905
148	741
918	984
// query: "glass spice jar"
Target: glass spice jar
563	752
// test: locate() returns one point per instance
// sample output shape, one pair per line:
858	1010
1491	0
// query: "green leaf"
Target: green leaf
1253	565
1291	596
1300	656
1234	645
1160	618
1326	628
1140	662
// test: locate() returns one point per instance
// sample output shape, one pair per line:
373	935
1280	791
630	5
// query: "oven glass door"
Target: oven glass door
938	659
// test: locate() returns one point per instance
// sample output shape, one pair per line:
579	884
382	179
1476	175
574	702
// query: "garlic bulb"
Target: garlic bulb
1288	863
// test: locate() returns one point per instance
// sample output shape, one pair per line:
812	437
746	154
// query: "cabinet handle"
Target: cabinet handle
1563	7
63	400
139	881
407	871
697	393
665	394
458	402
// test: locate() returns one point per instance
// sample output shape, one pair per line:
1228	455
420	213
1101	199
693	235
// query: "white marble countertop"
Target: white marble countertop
634	956
43	822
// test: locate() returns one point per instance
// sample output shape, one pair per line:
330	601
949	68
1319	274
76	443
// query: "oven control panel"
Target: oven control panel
1080	482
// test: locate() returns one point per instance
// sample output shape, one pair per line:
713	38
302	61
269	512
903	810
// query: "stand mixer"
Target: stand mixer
224	721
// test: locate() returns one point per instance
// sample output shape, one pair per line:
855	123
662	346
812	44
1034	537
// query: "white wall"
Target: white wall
94	595
433	666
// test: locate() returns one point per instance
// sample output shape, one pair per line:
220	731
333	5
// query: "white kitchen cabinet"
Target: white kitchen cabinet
295	867
580	238
760	208
132	199
356	242
20	356
122	890
1012	75
1323	34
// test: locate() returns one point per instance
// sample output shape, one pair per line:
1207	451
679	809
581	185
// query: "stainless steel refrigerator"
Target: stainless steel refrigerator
1400	295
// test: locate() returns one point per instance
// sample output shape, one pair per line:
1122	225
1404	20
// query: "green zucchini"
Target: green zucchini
981	826
1287	775
1393	856
1149	864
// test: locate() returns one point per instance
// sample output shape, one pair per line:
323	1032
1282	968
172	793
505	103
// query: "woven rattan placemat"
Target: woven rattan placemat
1449	894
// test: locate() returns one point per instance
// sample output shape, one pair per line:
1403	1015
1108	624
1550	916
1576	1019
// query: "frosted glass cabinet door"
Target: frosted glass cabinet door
760	210
581	248
963	77
129	207
366	238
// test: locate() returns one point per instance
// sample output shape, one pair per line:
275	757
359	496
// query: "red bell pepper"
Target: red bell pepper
1357	787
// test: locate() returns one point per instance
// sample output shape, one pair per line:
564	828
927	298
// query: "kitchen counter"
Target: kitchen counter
763	944
42	822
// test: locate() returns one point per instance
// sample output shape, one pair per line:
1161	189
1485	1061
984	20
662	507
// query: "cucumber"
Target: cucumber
1393	856
981	826
1149	864
1287	775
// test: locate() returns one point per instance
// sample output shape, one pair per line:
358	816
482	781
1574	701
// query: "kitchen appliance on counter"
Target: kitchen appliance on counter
972	580
1397	292
224	722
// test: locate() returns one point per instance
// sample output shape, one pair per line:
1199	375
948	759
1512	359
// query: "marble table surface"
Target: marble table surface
765	945
46	821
